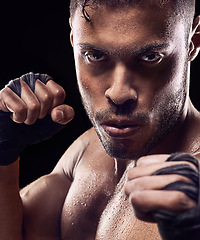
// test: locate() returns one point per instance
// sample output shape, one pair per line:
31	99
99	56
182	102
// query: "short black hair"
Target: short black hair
182	6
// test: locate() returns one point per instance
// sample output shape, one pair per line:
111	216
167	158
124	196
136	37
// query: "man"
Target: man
133	63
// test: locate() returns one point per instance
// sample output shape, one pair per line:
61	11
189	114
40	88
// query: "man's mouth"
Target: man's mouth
120	128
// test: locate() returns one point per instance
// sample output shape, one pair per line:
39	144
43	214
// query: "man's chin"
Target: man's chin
120	151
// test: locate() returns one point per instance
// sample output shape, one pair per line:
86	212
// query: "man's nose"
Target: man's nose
121	88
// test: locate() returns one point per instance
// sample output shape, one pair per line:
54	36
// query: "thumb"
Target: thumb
62	114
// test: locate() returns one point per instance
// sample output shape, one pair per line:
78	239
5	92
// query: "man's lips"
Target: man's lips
120	129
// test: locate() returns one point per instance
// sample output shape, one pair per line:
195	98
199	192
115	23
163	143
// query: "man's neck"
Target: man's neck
184	136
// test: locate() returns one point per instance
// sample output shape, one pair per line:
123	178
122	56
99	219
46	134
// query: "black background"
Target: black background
35	37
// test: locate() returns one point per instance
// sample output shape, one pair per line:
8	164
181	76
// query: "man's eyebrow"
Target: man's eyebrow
131	51
150	47
87	46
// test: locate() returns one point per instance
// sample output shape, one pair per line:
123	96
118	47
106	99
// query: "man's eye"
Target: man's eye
152	57
95	56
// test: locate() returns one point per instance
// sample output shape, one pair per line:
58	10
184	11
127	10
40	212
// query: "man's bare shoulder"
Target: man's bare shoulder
85	149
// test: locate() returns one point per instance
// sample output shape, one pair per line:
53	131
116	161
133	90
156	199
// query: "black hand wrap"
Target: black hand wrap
15	137
30	79
184	225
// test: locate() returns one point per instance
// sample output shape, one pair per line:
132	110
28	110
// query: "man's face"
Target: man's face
132	75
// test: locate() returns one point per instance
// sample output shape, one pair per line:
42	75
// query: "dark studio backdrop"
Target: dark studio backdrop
35	37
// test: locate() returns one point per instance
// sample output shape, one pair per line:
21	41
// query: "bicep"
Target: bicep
43	199
42	202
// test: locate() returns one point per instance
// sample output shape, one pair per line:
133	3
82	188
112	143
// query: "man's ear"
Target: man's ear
195	40
71	32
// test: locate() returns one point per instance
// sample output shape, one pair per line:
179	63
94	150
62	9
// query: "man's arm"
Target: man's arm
42	205
10	203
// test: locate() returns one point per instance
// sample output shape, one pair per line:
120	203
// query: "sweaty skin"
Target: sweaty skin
95	182
95	206
134	87
120	62
132	67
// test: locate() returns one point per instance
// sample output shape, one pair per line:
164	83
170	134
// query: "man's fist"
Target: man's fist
165	189
34	102
28	101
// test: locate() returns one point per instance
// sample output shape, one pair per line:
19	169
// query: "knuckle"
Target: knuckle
47	99
191	165
2	92
183	202
6	92
59	94
19	114
34	106
133	186
134	197
142	161
21	110
131	173
177	177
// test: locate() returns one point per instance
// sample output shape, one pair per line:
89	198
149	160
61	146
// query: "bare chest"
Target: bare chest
119	222
91	212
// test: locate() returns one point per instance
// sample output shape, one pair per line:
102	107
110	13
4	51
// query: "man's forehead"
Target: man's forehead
125	23
128	2
95	4
154	8
177	8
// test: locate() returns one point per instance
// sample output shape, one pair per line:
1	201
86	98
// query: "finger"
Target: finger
152	182
157	158
152	159
149	169
11	102
45	98
145	202
58	93
62	114
32	103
